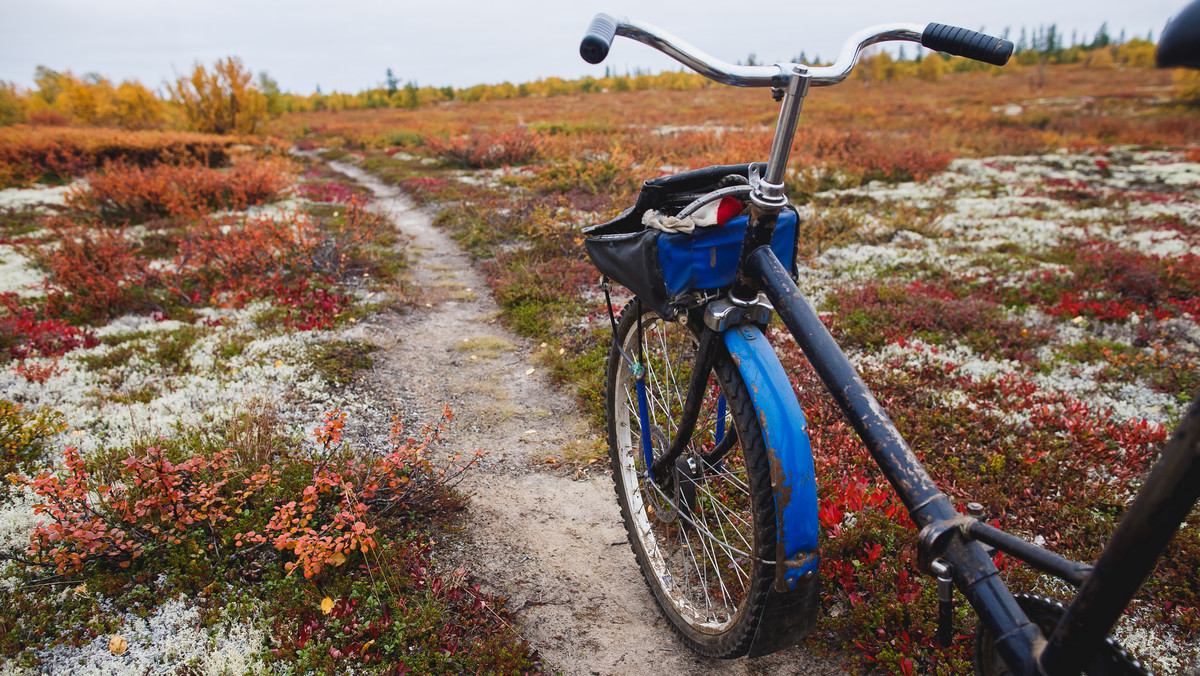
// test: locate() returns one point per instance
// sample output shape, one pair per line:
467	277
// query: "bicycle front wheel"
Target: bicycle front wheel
703	538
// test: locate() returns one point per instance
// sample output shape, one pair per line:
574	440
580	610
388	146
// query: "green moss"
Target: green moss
339	361
114	358
232	345
171	349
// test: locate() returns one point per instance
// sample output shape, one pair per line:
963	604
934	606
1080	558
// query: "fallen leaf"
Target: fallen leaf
327	605
117	645
337	559
278	363
561	350
529	372
550	461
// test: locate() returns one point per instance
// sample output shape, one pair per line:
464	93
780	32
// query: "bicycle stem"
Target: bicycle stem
785	132
767	197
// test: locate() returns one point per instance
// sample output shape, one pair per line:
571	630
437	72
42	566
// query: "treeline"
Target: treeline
222	99
227	98
883	66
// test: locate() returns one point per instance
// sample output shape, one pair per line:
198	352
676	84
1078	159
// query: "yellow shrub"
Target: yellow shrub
137	107
932	67
12	108
221	101
1137	53
1100	59
90	103
1187	84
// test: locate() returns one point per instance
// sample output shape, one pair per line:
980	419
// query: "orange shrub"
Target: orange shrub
28	154
121	192
513	146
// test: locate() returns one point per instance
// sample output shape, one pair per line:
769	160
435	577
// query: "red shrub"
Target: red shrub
23	334
94	273
242	257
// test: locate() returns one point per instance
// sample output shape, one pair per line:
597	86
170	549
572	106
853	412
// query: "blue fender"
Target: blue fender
788	449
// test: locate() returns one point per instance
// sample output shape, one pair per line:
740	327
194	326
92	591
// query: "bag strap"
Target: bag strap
634	367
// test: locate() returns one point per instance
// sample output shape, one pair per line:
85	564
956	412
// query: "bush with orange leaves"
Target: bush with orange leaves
128	193
98	271
480	151
57	154
324	509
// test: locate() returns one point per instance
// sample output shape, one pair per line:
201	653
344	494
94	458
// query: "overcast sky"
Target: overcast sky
348	45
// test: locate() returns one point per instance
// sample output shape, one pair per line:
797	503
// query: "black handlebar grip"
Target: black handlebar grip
968	43
600	34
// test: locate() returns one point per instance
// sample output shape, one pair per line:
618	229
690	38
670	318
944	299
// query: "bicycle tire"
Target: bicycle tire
708	567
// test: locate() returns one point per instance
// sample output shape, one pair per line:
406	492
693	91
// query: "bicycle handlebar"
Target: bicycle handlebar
604	28
958	41
968	43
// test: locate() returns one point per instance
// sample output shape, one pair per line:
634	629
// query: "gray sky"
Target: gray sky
348	44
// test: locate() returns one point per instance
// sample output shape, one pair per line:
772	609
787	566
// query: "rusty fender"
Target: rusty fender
788	450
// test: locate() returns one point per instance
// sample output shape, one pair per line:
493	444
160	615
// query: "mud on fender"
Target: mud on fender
787	617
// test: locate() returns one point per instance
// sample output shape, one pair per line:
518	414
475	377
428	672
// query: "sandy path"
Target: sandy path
554	545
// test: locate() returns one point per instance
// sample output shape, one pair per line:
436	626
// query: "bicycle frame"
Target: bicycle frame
950	544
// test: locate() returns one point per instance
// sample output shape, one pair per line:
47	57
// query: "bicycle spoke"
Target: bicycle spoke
697	537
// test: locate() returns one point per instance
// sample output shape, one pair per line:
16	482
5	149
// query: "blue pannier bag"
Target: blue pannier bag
666	270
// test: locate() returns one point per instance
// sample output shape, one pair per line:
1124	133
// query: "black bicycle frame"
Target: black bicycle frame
1156	514
946	537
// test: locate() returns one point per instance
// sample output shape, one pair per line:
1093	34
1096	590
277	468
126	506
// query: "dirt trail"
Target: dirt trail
554	545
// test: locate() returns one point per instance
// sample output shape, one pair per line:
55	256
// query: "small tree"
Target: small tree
137	107
410	99
221	101
270	89
12	109
932	67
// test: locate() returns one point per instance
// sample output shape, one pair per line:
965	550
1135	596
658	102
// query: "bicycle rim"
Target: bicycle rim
700	543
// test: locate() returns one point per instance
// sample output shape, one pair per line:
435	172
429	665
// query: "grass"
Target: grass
485	347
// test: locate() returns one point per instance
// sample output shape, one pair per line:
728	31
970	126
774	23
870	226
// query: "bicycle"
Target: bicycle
709	448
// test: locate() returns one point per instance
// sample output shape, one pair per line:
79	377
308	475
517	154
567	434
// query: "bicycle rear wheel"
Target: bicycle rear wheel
701	544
